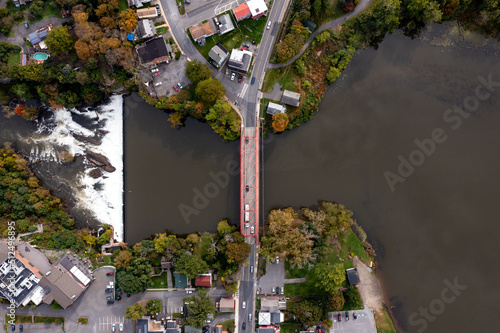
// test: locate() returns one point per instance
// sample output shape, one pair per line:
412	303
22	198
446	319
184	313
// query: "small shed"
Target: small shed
310	25
352	276
180	280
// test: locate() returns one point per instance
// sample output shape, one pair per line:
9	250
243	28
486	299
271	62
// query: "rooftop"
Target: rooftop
257	7
203	280
290	98
226	24
152	50
273	108
241	11
352	276
147	12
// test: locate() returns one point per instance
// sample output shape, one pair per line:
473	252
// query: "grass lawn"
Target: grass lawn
203	245
161	30
284	76
384	322
14	58
302	289
290	327
253	29
20	319
156	281
123	4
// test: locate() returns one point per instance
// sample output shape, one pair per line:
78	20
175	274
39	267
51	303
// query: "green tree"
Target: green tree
190	265
224	120
209	91
153	306
353	298
329	277
104	238
224	228
192	239
307	312
285	237
134	312
231	288
60	41
22	90
196	71
335	301
199	306
237	252
129	283
123	259
36	10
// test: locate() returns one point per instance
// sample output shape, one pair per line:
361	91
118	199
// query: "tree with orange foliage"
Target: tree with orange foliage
82	50
20	110
128	20
280	120
107	22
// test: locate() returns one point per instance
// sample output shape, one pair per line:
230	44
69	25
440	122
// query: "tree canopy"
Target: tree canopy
60	41
196	71
134	312
190	265
153	306
224	120
209	91
199	306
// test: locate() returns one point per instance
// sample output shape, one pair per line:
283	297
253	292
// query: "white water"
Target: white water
102	196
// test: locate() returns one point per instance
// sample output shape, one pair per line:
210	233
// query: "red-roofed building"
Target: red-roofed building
242	12
204	280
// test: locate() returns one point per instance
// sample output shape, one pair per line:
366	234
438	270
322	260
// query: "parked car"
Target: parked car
110	298
121	327
340	317
249	317
26	25
156	74
277	290
272	291
128	295
109	274
108	290
244	326
113	328
268	25
157	84
118	298
13	327
354	316
118	289
21	328
244	304
277	260
233	76
282	290
346	315
240	78
182	310
253	80
179	85
175	88
111	302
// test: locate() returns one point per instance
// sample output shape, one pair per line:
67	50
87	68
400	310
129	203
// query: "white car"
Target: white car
252	230
157	84
233	76
268	25
154	70
244	304
251	269
121	327
113	328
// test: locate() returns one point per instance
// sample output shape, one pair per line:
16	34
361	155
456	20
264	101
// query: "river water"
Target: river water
436	228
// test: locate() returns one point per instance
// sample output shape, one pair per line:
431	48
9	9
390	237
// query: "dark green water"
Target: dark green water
439	226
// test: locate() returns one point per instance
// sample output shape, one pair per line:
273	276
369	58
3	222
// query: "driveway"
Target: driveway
20	31
275	277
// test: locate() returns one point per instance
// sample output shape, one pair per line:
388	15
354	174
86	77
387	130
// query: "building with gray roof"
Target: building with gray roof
290	98
273	108
239	61
225	24
218	54
145	29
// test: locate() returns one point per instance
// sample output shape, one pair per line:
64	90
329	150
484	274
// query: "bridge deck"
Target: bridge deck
250	182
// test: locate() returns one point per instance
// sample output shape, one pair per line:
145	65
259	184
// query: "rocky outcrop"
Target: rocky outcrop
97	160
95	173
95	140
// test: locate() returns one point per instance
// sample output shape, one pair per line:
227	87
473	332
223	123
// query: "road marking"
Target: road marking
244	90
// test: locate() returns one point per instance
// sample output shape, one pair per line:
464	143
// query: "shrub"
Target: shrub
359	232
83	320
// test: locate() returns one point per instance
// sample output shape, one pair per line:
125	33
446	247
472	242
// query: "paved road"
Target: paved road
363	4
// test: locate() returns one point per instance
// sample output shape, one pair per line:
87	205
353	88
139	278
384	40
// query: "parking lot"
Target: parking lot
275	277
169	74
365	322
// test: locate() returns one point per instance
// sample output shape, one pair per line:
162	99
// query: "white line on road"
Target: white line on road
244	90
